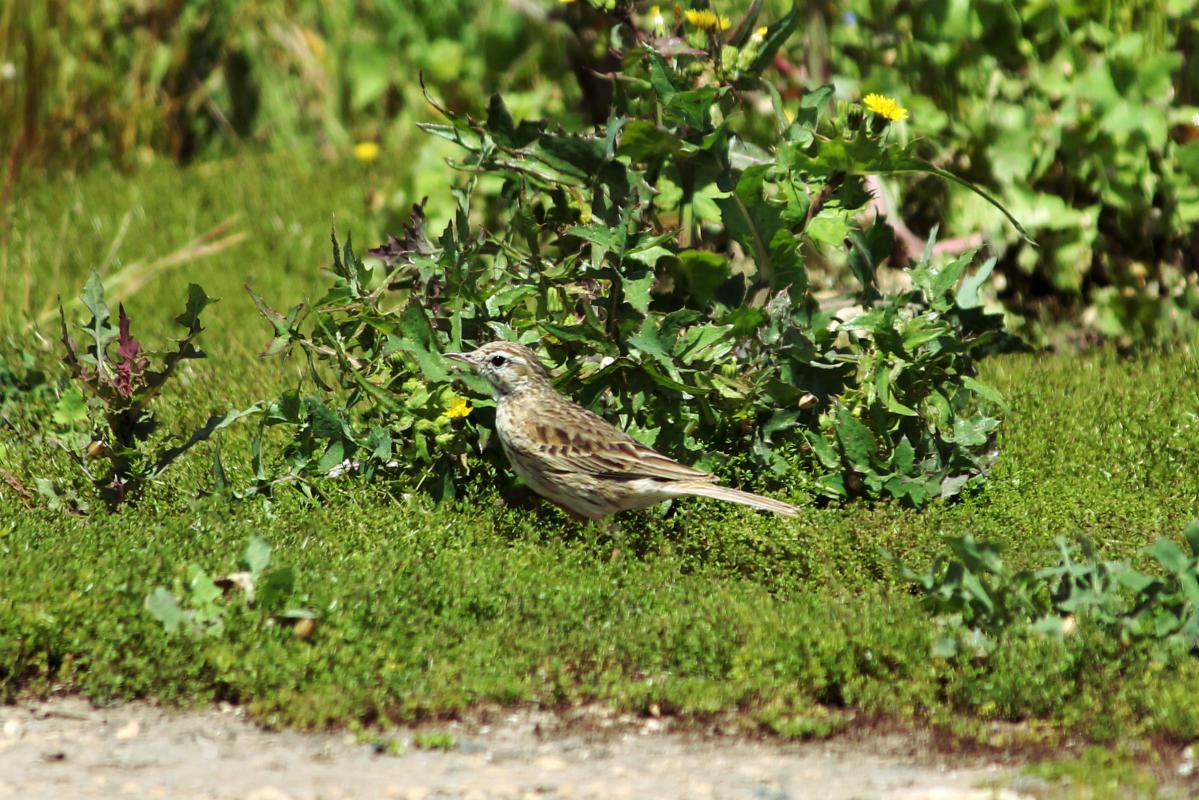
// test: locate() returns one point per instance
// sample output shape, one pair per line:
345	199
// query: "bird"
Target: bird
575	458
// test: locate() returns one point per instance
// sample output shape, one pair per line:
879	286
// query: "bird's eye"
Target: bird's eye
498	361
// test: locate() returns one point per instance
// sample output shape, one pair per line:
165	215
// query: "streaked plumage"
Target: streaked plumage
577	459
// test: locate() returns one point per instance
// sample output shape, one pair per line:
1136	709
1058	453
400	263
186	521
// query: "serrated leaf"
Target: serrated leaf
197	301
636	287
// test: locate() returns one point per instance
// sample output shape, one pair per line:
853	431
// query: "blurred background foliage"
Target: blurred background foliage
1079	116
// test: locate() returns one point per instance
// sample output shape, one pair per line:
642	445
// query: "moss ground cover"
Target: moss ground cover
797	626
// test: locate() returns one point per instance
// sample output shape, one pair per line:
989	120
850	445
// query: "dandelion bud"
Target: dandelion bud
855	118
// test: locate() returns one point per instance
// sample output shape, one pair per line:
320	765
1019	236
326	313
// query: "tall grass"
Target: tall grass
104	80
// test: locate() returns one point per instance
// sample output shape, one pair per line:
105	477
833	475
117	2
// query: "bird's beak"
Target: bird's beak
463	357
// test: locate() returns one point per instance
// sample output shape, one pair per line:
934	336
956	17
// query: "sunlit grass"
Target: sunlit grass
798	626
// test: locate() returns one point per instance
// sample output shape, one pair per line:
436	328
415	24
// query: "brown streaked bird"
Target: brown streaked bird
577	459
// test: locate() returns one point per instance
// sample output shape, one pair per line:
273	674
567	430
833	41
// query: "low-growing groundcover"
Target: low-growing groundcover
798	626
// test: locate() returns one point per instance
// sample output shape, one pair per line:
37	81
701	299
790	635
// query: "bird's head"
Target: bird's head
510	368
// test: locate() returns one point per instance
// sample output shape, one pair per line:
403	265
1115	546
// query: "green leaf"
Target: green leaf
868	249
944	647
603	239
274	589
258	554
906	164
184	350
704	343
694	106
823	449
903	458
637	288
701	272
70	408
666	382
93	299
1169	555
660	77
972	432
952	486
1192	537
866	156
643	141
985	391
941	280
857	442
650	341
570	333
326	423
921	330
215	423
758	226
101	332
418	338
202	590
1188	160
164	607
776	35
197	301
220	478
967	295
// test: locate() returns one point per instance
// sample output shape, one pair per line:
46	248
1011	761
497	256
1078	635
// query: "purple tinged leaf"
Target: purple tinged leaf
130	362
396	250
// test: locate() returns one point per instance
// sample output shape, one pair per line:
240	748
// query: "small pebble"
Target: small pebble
13	729
268	793
129	730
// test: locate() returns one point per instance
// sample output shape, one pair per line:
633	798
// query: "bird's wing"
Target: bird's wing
567	437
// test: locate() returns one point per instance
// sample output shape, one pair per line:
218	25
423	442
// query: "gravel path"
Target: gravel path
66	748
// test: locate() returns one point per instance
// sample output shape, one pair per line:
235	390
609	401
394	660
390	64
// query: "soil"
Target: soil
65	747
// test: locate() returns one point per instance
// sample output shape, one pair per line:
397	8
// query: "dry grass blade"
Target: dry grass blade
21	489
126	282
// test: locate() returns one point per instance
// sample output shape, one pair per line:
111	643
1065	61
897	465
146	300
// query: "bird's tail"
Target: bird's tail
718	492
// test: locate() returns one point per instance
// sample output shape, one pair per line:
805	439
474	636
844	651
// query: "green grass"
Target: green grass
795	626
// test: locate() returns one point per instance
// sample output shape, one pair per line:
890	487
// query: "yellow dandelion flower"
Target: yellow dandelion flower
723	22
702	18
366	151
758	35
458	408
886	107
